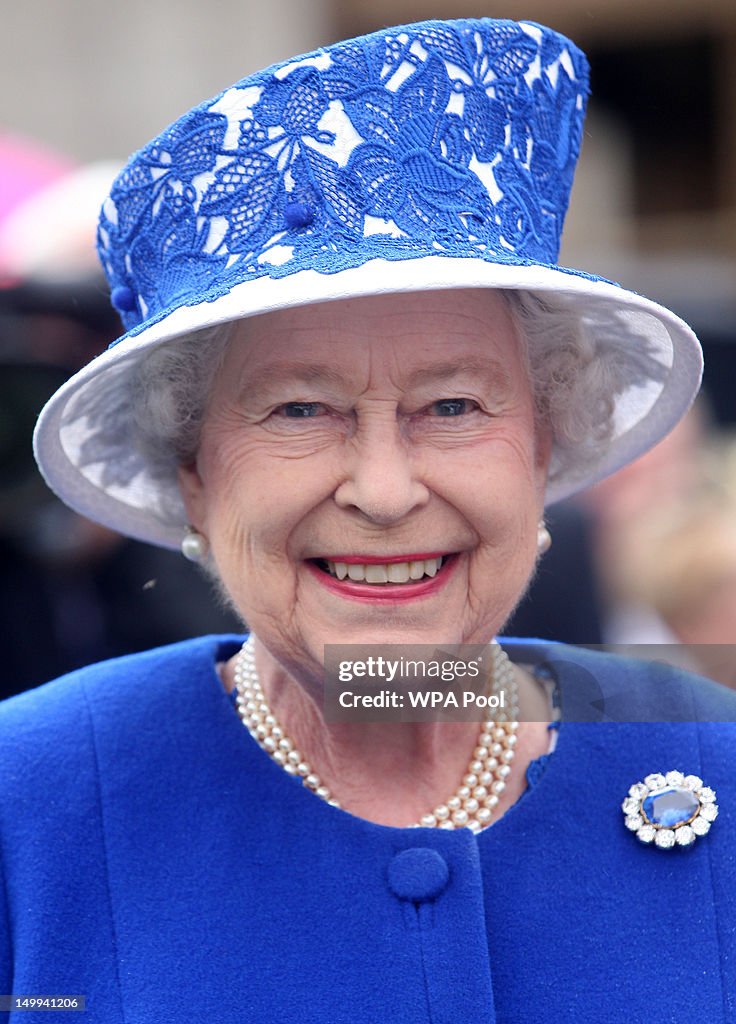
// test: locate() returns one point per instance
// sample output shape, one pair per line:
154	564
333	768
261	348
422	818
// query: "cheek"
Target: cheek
255	501
525	459
506	465
543	443
500	493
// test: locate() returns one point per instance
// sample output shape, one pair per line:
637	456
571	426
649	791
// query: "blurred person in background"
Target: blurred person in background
89	592
679	560
660	482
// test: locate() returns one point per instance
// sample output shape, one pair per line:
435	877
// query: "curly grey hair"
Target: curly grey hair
574	382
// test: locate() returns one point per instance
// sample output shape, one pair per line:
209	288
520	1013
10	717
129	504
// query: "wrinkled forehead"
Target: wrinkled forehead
418	337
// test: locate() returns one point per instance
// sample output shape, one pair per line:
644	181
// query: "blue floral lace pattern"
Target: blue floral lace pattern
444	138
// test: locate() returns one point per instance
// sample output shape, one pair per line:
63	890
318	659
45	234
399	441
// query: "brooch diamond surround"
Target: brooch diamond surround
670	810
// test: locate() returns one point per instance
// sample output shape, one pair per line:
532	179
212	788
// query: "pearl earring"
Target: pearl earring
194	545
544	538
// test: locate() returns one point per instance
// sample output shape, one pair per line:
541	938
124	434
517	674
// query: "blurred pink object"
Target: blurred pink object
48	214
26	167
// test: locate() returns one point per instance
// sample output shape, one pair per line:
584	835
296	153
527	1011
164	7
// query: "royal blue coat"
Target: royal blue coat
156	861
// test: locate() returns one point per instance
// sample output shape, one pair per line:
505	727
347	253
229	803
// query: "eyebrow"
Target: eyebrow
292	372
310	373
489	370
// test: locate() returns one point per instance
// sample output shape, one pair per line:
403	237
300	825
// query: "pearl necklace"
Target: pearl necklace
473	803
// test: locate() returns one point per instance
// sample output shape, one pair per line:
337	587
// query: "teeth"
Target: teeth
376	574
398	572
389	572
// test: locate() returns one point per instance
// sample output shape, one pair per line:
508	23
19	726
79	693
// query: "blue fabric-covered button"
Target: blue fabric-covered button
123	299
418	875
298	215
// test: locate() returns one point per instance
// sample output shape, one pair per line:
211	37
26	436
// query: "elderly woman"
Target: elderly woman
352	377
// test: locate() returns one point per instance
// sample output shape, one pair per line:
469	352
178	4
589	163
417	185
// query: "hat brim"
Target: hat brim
83	439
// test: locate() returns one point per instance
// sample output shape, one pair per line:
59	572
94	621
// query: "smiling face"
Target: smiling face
369	473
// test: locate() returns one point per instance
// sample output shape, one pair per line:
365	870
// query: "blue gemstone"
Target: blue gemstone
670	807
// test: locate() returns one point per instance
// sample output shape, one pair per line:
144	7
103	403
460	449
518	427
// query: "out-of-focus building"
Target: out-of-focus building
654	204
97	78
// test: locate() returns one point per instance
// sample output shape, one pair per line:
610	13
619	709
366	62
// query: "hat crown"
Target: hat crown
443	138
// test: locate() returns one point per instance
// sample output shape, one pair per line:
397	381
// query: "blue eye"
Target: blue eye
301	410
453	406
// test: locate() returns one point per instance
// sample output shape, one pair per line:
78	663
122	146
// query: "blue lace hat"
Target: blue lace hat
436	155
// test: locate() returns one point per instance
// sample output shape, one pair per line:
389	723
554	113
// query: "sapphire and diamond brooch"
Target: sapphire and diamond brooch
670	810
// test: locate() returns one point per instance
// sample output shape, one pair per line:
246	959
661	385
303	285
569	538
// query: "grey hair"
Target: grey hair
578	365
575	382
170	395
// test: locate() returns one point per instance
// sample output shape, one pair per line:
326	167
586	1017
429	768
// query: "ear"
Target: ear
192	493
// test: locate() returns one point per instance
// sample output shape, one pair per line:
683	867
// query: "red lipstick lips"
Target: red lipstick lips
386	593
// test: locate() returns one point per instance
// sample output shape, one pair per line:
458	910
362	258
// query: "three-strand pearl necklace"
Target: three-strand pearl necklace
473	803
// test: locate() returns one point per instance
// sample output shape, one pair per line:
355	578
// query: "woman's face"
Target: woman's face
373	437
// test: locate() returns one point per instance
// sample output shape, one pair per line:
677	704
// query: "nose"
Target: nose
380	478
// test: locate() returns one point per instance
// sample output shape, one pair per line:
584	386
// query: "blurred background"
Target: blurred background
647	557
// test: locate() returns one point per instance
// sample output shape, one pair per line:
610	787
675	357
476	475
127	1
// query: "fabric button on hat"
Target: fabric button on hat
418	875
